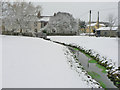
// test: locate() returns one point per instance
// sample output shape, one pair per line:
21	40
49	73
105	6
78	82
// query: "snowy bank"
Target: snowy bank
36	63
105	46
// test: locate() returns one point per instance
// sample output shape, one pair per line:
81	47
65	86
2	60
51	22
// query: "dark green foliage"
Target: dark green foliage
16	33
119	68
61	34
44	31
82	24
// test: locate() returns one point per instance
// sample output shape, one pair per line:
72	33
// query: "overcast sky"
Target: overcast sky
81	9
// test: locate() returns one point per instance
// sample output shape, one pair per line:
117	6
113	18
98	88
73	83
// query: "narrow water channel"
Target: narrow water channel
93	69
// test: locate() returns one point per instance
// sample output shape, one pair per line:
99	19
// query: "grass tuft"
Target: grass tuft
76	49
92	61
102	84
103	68
88	55
94	75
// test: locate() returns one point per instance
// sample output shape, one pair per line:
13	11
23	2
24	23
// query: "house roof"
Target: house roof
107	28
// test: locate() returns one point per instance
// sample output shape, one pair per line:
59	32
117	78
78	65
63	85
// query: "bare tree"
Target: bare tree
112	21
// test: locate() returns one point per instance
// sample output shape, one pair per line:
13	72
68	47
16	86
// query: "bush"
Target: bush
27	34
44	31
6	32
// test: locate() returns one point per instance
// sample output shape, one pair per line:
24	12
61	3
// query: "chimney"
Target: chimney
98	20
39	15
90	22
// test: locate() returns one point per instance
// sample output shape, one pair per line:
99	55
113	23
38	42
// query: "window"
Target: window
98	32
105	33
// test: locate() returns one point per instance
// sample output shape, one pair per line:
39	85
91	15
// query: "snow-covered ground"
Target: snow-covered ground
105	46
0	62
35	63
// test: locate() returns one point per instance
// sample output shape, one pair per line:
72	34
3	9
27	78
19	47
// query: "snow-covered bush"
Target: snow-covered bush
62	23
17	16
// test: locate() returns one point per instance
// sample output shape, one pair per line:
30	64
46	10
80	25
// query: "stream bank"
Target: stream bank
107	72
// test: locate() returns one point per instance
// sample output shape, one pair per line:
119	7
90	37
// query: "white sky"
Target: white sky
78	8
81	9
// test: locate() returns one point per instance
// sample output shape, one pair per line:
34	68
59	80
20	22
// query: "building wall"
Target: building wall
38	26
108	33
92	28
82	30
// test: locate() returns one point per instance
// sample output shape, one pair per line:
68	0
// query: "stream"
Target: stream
93	69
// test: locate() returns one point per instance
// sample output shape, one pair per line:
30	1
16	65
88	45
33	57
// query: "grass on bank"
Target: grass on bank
101	67
92	61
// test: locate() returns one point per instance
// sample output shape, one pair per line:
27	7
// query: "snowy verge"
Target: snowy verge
36	63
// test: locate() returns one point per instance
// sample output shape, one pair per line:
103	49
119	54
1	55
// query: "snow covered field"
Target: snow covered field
36	63
105	46
0	62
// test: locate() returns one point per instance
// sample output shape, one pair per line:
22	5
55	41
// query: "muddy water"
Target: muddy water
91	67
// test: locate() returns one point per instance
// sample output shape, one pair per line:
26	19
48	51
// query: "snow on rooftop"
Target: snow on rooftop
102	24
107	28
93	24
46	19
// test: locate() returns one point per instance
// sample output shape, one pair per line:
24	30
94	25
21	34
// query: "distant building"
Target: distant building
39	23
107	31
92	26
44	20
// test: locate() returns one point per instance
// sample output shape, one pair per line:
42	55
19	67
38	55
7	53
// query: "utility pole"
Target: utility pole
90	23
